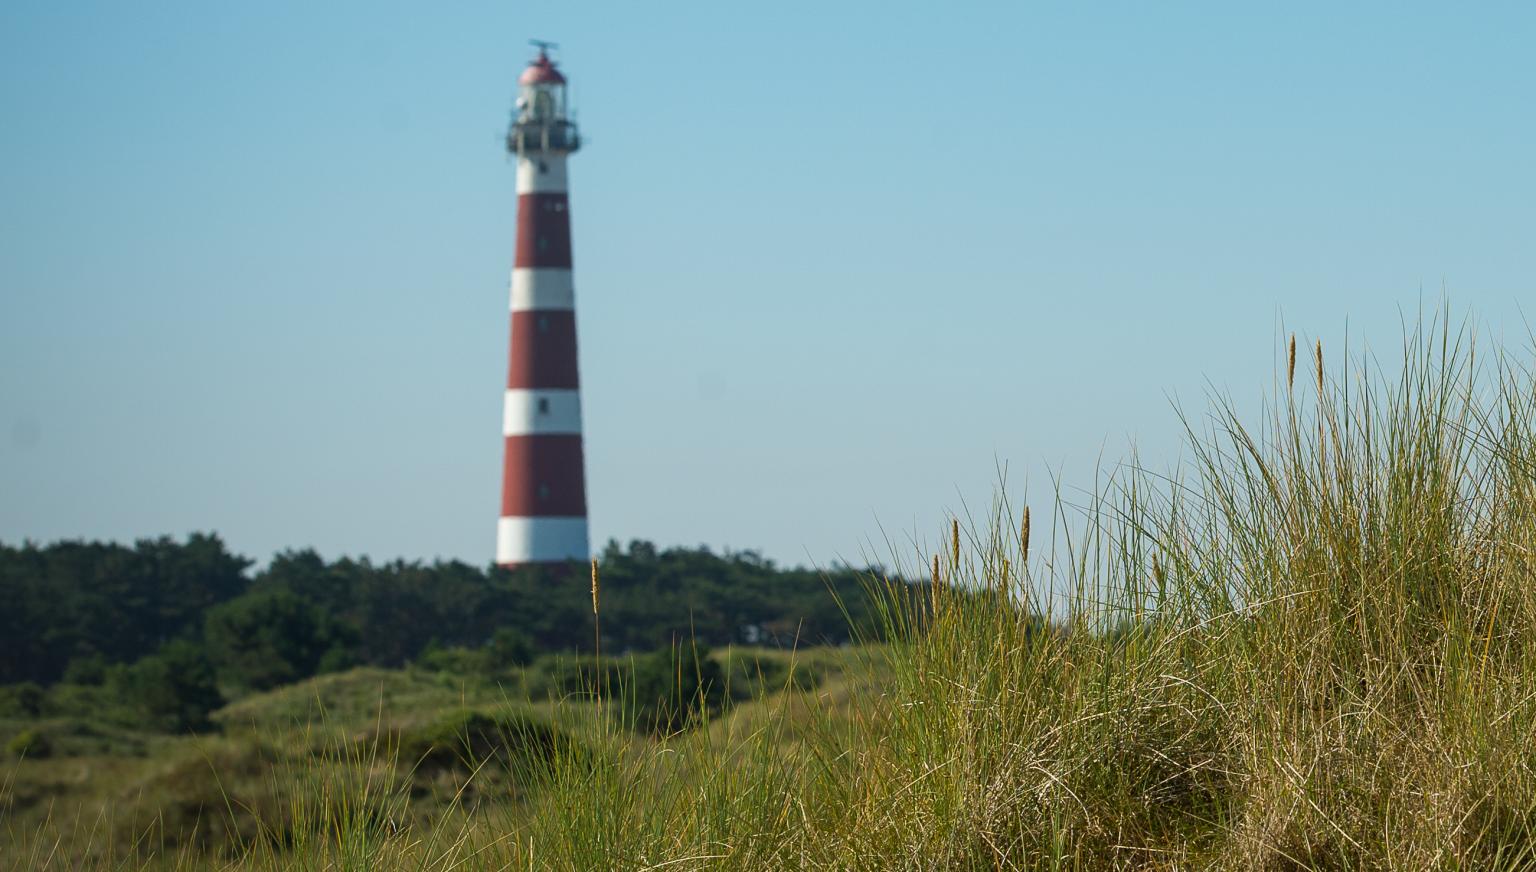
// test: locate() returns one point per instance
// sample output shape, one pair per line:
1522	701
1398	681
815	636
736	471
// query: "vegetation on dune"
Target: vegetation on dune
160	635
359	755
1313	647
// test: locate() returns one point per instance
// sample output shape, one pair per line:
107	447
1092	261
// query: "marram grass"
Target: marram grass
1313	647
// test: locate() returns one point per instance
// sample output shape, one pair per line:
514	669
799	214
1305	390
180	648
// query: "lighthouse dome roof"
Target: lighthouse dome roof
541	72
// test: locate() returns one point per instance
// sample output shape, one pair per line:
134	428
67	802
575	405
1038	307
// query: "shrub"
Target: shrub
556	677
674	688
172	690
509	648
459	661
338	658
23	700
263	640
30	744
467	739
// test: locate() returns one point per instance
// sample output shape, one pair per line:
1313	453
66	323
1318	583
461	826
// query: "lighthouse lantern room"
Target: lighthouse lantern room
541	123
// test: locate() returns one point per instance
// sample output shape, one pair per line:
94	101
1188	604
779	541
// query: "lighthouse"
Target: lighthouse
543	485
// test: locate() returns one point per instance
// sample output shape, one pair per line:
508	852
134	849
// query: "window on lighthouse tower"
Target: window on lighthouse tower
539	103
543	104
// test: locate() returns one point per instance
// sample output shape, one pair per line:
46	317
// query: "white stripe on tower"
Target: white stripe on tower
541	174
539	540
536	288
532	410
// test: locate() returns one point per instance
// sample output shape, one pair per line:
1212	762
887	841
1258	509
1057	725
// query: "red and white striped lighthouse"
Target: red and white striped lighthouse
543	487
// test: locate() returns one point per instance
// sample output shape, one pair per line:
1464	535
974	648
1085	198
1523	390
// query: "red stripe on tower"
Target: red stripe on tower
559	491
543	484
543	230
543	350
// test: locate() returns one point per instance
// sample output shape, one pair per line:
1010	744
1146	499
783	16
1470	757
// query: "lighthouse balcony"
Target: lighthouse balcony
527	137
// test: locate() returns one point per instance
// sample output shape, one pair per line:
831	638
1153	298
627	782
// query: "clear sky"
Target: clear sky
836	263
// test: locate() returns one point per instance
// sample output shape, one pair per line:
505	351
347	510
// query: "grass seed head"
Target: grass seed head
1290	365
1024	539
594	585
933	589
1319	369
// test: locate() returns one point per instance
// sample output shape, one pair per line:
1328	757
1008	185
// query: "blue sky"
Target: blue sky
836	263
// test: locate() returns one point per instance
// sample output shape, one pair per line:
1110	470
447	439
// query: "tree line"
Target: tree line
191	623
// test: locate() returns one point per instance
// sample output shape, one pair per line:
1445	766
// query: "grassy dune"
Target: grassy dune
1313	647
307	775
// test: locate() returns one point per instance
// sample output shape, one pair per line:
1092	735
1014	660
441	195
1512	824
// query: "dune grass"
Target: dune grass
1313	647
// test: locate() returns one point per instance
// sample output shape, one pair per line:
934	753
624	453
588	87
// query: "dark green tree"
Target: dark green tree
509	647
75	600
174	689
266	639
